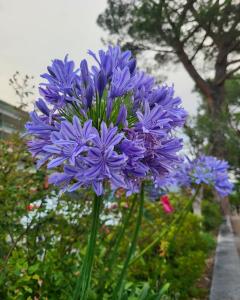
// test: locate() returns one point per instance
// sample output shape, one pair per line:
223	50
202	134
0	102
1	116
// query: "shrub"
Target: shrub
45	261
185	258
212	217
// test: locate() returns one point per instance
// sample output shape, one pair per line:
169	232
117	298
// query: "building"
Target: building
12	119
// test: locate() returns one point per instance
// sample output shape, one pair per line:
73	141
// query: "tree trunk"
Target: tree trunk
217	107
197	204
216	111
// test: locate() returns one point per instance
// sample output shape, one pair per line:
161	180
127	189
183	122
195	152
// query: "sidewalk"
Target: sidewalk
226	273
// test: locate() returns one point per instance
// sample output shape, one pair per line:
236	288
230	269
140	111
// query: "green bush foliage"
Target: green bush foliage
212	216
43	240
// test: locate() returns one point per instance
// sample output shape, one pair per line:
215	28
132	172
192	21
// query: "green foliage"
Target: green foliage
36	242
20	185
185	258
179	258
42	246
204	37
212	217
235	196
163	26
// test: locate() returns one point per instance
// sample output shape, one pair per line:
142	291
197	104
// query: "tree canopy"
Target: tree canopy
203	35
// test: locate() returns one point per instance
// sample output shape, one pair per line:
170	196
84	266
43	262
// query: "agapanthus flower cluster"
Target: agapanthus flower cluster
110	123
205	170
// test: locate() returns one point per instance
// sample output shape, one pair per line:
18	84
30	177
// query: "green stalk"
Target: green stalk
120	235
81	290
113	255
180	217
117	293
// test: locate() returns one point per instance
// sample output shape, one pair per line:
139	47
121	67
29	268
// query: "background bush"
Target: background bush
212	216
43	239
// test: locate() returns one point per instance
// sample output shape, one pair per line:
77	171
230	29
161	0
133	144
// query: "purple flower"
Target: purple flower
61	75
85	85
122	116
105	123
70	141
103	161
152	121
164	96
100	80
205	170
113	58
135	152
122	82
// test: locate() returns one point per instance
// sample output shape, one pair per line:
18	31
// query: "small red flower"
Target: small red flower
167	207
31	207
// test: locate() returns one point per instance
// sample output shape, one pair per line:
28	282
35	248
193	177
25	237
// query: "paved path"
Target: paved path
226	273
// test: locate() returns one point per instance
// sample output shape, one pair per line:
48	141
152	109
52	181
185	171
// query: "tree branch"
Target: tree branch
145	48
228	75
199	47
183	57
233	62
201	83
191	34
206	27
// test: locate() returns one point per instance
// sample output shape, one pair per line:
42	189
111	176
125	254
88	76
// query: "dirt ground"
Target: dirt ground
205	281
235	219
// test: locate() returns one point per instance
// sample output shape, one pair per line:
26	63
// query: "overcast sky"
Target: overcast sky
32	32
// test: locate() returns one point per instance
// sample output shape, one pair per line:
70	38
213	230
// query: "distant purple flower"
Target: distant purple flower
205	170
105	123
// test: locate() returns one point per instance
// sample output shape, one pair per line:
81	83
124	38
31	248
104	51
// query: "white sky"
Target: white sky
35	31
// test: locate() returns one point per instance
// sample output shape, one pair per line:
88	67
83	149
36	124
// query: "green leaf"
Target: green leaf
145	291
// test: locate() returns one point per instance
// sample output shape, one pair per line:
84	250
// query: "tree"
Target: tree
201	127
23	87
200	34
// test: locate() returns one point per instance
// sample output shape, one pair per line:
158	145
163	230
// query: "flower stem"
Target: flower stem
117	293
113	255
83	283
120	235
180	217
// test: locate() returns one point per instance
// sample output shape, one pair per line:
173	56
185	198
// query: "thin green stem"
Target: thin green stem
119	286
81	290
182	215
114	253
120	235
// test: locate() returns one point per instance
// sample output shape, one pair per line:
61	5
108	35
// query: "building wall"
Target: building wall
12	119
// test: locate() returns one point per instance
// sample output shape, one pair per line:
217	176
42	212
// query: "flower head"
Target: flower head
205	170
105	123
